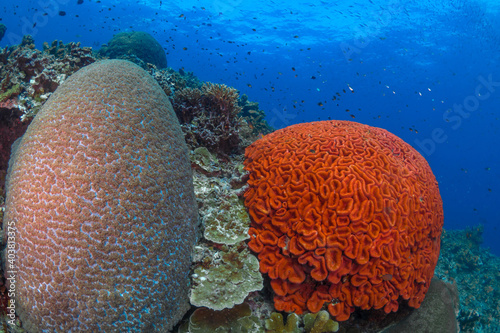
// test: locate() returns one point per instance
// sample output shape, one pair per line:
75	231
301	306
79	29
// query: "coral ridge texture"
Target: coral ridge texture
344	216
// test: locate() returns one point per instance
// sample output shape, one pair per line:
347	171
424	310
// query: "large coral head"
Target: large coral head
100	213
344	216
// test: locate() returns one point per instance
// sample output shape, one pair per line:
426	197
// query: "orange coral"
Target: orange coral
344	216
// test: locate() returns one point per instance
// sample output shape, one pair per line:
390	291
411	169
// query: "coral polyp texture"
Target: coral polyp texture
100	193
344	216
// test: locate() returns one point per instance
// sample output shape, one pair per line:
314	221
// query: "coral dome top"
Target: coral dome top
344	216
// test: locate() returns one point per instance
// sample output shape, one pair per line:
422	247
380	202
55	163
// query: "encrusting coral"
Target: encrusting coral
276	323
344	216
225	278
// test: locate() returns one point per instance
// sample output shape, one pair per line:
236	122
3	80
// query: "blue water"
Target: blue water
427	71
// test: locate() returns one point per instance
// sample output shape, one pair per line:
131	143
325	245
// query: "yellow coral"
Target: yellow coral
275	323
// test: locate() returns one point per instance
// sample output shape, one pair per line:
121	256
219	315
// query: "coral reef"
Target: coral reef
36	73
219	182
475	271
112	215
225	277
29	77
344	216
135	45
209	117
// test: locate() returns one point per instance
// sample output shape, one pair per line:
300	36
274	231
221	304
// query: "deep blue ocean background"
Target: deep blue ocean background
427	71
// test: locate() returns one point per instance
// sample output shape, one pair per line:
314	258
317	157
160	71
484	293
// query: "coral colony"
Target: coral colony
187	212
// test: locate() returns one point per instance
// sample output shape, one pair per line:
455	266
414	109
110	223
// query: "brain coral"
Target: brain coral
100	191
343	215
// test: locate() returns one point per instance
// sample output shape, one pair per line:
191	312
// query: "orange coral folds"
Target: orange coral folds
344	216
